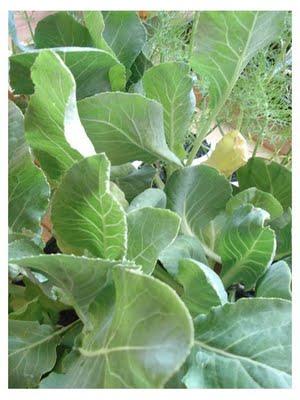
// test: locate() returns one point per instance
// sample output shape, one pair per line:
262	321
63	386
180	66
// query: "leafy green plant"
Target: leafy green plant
162	275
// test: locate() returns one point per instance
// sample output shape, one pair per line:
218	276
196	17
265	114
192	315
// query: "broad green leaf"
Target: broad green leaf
132	181
209	237
79	280
126	126
138	68
258	198
149	198
197	194
276	282
85	215
94	70
203	289
61	29
267	176
246	344
52	126
224	44
118	194
30	311
125	34
182	247
246	246
150	230
139	345
23	248
28	189
283	229
94	22
171	85
231	153
32	352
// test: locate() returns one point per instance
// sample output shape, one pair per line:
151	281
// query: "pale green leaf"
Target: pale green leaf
224	44
139	345
268	176
197	194
149	198
246	246
23	248
94	70
150	230
79	280
118	194
182	247
171	84
59	30
246	344
94	22
258	198
126	126
28	189
52	126
32	352
125	34
283	229
276	282
203	289
85	215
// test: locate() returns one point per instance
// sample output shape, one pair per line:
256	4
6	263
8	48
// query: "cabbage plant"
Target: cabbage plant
158	272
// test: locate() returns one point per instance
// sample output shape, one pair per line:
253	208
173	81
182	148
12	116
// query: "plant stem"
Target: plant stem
159	183
29	25
203	129
193	33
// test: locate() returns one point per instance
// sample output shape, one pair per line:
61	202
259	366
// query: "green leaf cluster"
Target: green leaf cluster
151	260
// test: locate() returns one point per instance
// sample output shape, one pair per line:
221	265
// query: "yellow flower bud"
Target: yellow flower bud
231	153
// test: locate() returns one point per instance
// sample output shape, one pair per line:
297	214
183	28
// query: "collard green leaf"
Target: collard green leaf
268	176
182	247
85	216
258	198
94	22
224	44
30	311
171	84
203	289
276	282
79	280
139	345
246	246
52	126
132	181
118	194
150	230
126	126
59	30
32	352
28	189
94	70
149	198
283	229
242	345
125	34
197	194
23	248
